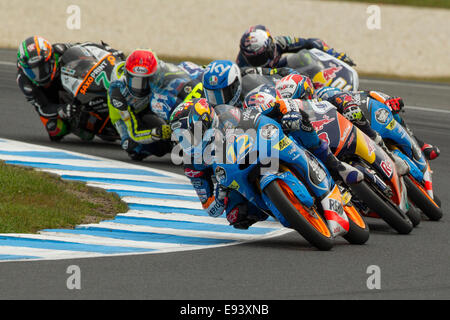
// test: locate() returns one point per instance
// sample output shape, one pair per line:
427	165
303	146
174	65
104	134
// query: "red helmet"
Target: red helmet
140	67
295	86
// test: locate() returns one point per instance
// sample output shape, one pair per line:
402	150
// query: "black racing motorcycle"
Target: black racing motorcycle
85	75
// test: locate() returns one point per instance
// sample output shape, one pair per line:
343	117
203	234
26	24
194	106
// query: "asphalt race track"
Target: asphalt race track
414	266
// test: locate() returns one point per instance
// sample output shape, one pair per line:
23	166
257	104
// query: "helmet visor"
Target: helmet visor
224	95
139	86
263	57
40	72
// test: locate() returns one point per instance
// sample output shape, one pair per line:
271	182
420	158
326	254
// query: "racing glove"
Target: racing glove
291	121
164	132
68	111
346	59
135	150
395	103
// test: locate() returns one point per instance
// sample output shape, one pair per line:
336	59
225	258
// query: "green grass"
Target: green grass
33	200
416	3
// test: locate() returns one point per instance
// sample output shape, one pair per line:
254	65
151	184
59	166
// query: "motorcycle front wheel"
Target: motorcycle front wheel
306	221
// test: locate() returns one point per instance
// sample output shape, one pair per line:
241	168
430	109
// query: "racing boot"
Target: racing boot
431	152
339	170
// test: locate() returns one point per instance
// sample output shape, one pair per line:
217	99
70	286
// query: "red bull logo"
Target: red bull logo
319	124
325	76
330	73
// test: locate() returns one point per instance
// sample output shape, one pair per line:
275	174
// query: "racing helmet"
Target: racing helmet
222	83
295	86
325	93
35	58
140	68
262	95
193	124
258	47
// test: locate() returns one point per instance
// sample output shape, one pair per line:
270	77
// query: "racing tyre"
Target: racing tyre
359	229
305	221
414	215
422	200
383	207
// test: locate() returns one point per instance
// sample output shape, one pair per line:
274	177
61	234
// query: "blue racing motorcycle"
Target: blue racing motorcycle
284	180
398	138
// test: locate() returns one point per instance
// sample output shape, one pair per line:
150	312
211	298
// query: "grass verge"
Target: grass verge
445	4
32	200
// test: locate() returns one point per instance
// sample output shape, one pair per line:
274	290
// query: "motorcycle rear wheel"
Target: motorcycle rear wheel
305	221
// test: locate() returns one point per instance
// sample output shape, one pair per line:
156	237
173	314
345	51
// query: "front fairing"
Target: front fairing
324	70
382	120
264	150
86	72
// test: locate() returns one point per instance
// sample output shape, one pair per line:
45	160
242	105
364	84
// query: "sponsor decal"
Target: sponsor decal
191	173
220	174
213	80
336	206
86	84
381	115
219	68
140	70
68	71
268	131
387	168
391	125
324	136
283	143
234	185
319	124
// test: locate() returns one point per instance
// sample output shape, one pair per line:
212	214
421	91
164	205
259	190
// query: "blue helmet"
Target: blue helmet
325	93
222	82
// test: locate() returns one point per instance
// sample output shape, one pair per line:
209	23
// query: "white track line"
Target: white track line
176	232
407	84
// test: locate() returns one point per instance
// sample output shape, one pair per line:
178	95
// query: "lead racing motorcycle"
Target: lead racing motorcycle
323	69
285	181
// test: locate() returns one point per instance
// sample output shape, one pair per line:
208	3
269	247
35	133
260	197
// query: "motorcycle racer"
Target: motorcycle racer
349	103
258	48
142	94
217	199
38	77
